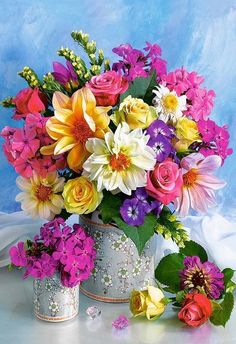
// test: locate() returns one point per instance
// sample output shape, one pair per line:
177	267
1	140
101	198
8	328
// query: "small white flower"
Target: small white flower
107	280
116	245
53	306
123	273
169	106
123	239
136	271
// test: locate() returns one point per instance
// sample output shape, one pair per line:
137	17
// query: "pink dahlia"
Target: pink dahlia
198	183
205	277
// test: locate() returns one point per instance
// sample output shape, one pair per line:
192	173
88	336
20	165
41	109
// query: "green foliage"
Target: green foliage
230	286
8	102
142	88
167	271
170	228
109	209
191	248
221	314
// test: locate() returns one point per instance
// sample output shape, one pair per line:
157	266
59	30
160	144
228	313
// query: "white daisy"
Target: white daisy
119	161
169	106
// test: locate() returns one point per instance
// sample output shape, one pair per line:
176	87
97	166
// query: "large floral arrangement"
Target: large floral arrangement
130	140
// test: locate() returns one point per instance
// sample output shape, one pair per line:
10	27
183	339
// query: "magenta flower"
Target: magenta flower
205	277
120	323
43	267
25	142
18	255
63	251
64	74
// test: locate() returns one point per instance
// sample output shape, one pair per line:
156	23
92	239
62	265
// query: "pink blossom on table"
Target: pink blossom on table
120	323
199	100
29	101
18	255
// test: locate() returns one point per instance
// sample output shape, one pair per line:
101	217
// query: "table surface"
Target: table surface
18	324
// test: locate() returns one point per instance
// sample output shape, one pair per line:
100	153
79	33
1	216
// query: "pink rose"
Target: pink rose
107	87
165	182
28	101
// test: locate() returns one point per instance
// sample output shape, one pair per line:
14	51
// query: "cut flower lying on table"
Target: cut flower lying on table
196	286
129	139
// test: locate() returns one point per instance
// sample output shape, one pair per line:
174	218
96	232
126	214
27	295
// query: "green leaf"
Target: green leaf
180	296
139	235
231	286
109	208
167	271
228	274
142	88
221	316
191	248
10	267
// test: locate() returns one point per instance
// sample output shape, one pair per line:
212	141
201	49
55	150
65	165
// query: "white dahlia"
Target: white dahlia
169	106
41	197
119	161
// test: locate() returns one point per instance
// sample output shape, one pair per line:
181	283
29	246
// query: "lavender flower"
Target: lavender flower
132	212
205	277
161	147
158	127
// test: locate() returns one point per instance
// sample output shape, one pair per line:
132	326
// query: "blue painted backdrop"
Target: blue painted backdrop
200	35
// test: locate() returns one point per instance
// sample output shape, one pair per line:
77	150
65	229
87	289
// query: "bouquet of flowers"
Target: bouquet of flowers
130	140
59	248
201	291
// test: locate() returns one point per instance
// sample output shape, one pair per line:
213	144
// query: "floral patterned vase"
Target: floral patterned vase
118	266
54	302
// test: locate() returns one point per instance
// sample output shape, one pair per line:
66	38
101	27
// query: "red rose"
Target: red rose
28	101
196	310
107	87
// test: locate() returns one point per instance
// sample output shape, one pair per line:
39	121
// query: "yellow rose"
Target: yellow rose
187	133
135	113
150	303
81	196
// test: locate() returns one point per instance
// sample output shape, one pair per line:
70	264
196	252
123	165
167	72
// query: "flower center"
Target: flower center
119	162
170	102
190	177
43	192
82	131
198	279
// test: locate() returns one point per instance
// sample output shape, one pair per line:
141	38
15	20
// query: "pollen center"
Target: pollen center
190	177
82	131
119	162
170	102
43	192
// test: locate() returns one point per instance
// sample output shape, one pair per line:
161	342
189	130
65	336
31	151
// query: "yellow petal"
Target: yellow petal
77	156
48	150
156	295
64	144
60	100
76	99
89	101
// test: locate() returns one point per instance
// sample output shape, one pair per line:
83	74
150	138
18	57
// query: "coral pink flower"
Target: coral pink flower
198	183
28	101
164	183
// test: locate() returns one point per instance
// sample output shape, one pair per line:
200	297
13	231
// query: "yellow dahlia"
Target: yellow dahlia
41	197
75	120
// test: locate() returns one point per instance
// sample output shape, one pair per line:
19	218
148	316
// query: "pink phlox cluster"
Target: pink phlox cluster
22	148
199	100
59	248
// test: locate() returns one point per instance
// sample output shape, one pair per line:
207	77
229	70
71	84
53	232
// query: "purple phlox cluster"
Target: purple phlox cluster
215	139
58	248
120	323
135	63
160	139
134	209
64	75
22	148
205	277
199	100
